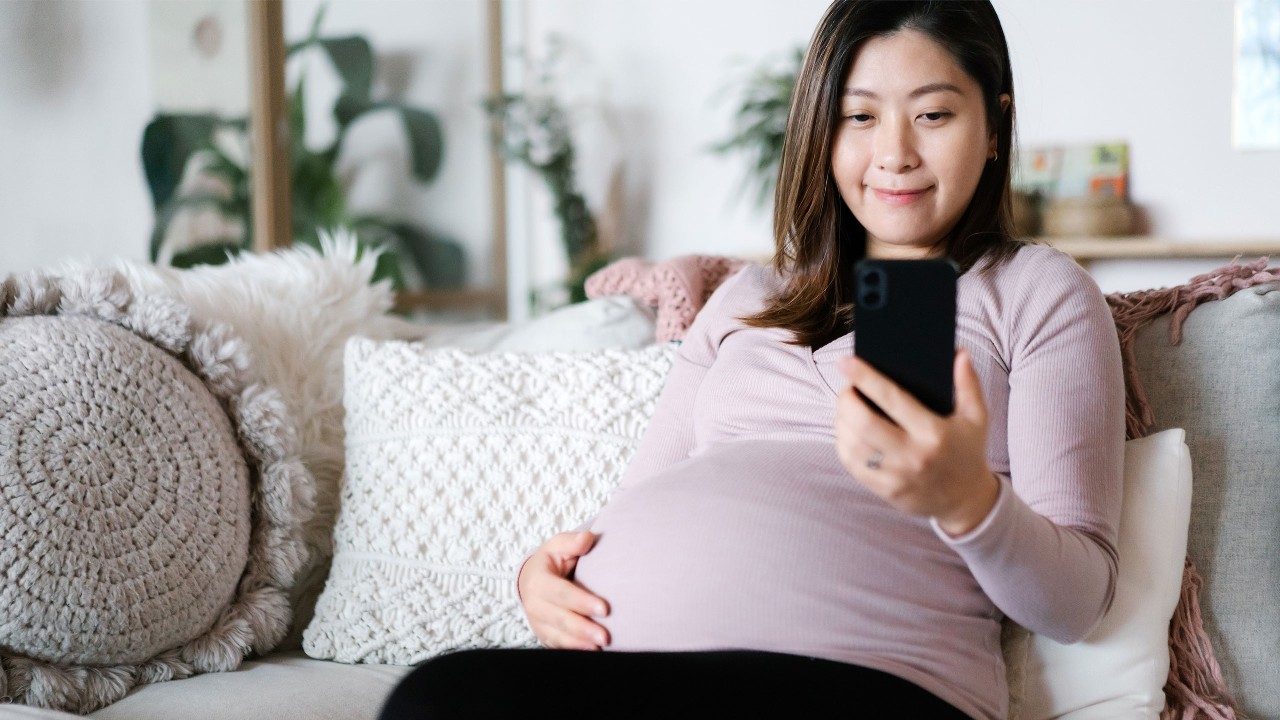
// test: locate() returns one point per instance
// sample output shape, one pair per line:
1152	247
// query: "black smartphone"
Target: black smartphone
904	325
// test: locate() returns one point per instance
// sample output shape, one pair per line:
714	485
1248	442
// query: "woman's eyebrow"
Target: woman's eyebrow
922	90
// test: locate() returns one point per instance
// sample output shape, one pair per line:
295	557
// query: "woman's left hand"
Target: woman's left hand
925	464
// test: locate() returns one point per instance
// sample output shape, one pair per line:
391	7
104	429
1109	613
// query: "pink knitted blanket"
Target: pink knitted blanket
1195	689
678	288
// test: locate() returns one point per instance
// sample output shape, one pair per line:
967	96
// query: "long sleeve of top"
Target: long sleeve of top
1045	555
736	526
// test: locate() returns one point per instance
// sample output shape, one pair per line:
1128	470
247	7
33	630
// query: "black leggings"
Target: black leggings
730	684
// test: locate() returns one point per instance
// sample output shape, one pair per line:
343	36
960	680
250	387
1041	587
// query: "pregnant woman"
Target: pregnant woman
776	547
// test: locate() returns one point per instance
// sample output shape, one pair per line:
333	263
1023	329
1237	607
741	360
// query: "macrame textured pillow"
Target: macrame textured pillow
150	496
458	466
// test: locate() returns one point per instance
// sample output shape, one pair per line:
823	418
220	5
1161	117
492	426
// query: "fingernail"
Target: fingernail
600	609
601	639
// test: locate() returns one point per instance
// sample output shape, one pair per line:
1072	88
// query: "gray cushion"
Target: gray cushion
126	495
1222	384
284	686
151	495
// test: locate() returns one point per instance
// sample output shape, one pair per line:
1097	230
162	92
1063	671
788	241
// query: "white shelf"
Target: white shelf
1143	247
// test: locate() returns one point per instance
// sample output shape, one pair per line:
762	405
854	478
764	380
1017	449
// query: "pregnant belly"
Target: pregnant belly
752	549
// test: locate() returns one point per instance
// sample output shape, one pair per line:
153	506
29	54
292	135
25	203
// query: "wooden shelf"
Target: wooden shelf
1142	247
452	299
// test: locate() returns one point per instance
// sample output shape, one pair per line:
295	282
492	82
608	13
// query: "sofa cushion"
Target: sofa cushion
284	686
294	310
1118	672
617	322
1221	383
458	465
153	496
98	506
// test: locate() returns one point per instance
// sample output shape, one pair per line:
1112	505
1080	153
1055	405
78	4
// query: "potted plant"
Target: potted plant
197	172
537	131
760	122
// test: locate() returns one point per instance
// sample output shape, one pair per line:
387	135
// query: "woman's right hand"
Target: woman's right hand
559	610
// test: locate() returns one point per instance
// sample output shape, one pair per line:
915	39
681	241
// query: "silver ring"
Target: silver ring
873	462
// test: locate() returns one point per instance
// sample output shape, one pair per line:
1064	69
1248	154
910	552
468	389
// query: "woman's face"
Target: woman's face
911	144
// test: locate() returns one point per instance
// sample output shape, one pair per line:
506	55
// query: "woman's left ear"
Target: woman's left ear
1005	101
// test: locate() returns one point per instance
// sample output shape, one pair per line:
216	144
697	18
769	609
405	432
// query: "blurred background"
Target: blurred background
663	106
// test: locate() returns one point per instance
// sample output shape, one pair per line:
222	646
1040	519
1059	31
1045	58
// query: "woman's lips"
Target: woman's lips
900	197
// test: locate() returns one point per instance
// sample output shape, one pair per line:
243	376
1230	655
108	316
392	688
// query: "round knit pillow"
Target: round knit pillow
126	513
151	498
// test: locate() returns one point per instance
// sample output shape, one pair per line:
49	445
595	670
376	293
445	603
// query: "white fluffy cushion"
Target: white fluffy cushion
459	464
294	310
1119	671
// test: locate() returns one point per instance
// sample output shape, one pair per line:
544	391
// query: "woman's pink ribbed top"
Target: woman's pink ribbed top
736	526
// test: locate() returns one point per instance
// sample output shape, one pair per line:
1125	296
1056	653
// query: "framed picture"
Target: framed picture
1073	171
1256	116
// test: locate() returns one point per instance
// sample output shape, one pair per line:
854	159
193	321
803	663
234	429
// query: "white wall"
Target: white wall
654	81
1157	75
649	89
75	93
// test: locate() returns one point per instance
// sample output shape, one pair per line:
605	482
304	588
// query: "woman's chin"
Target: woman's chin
902	244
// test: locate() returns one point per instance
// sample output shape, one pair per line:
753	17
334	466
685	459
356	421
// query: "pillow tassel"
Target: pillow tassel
1195	689
1133	311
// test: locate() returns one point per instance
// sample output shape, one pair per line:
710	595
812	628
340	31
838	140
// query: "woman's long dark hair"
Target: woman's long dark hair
817	239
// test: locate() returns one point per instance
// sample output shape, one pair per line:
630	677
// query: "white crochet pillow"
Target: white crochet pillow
458	465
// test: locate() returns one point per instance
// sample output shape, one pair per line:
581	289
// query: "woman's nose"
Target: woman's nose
895	148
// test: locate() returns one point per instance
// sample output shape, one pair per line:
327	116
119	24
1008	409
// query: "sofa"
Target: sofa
508	432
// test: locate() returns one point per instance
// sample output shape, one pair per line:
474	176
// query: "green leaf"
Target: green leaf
426	140
388	267
298	117
211	254
349	107
345	110
760	122
441	262
167	143
353	59
422	128
318	198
